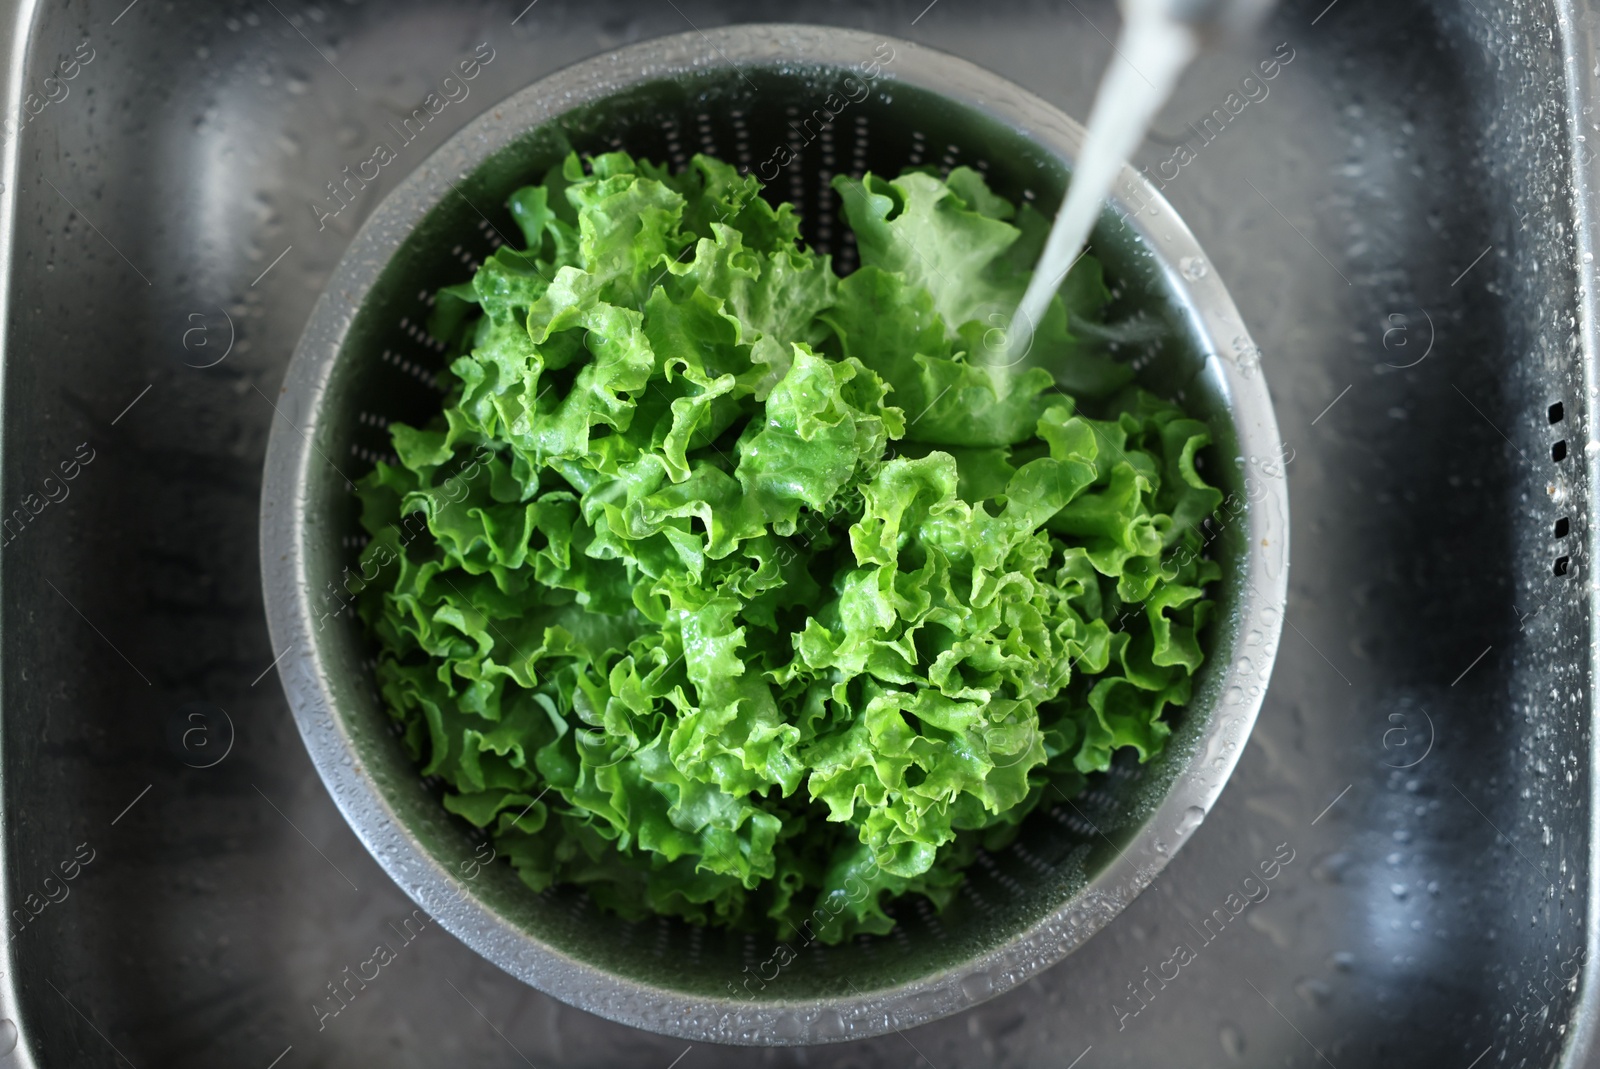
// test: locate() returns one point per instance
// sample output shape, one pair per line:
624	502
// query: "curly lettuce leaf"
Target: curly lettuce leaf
726	588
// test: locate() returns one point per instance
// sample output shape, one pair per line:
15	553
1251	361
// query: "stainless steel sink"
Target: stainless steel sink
1405	219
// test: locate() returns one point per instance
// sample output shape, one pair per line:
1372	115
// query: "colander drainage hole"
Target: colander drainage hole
1562	527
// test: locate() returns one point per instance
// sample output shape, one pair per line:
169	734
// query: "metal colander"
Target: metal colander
797	105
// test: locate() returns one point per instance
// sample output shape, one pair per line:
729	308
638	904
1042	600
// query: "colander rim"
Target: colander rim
291	612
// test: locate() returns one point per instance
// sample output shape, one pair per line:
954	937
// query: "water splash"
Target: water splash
1152	52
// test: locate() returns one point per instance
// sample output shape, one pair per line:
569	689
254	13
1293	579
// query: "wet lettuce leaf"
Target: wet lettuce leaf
727	588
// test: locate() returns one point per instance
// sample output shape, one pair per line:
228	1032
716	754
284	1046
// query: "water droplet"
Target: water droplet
1313	993
830	1023
1232	1042
1330	868
1246	356
978	986
1399	890
1193	268
1191	819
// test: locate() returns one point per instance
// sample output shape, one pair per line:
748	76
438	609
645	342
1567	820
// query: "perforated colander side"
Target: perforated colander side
415	362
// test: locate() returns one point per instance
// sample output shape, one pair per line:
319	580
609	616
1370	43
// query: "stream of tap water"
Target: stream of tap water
1152	51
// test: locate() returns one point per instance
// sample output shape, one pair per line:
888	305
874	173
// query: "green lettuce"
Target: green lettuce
727	588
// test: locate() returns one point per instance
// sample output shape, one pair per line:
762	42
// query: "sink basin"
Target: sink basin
1404	219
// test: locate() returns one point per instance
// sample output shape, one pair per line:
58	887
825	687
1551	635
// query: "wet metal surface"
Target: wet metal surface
1396	221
